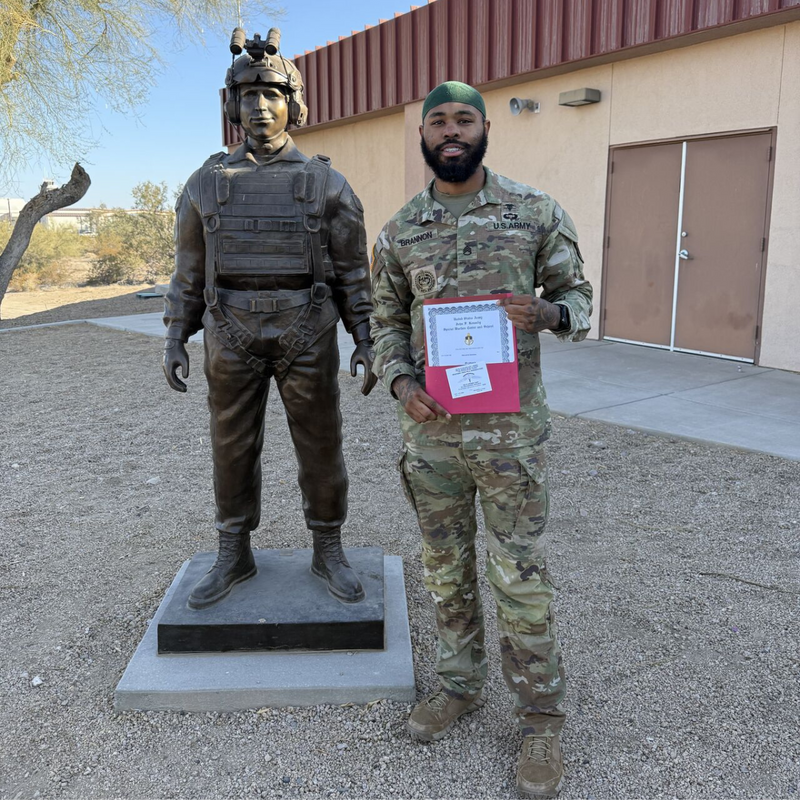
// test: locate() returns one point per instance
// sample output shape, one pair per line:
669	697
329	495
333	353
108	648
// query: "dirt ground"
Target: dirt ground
678	605
75	302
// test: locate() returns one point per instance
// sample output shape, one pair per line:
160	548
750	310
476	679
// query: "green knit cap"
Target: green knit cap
453	92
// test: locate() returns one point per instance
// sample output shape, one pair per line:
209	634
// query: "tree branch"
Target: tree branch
45	202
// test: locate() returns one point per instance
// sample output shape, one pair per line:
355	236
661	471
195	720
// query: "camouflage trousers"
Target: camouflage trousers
441	484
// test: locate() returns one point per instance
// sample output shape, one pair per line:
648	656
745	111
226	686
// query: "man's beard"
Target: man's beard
460	169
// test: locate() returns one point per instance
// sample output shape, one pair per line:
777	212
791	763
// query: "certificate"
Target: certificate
468	380
472	332
471	362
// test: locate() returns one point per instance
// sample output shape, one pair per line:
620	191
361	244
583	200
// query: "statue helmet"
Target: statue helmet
263	63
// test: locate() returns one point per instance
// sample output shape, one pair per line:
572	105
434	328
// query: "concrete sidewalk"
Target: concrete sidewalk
692	397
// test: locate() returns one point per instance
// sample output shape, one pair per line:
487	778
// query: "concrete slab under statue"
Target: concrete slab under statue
282	607
297	656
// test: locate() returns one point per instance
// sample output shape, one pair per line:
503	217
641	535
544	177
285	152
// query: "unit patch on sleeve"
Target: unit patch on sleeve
423	280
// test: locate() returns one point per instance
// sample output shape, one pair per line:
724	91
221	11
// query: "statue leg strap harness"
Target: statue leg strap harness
290	254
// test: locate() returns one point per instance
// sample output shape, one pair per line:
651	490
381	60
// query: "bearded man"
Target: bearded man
473	232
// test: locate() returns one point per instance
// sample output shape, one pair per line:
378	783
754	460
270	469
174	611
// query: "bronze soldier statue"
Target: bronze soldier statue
270	253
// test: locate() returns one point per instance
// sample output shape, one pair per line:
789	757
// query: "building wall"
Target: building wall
371	155
781	322
739	83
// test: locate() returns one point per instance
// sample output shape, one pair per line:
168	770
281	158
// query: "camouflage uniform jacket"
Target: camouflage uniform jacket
511	238
344	243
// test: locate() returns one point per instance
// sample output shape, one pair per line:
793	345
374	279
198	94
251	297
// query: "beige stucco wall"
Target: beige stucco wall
781	321
738	83
370	155
562	151
725	85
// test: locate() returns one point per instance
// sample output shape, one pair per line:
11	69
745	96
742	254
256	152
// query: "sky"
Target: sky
172	134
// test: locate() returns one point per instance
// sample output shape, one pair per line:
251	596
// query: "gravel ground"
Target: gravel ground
89	309
678	602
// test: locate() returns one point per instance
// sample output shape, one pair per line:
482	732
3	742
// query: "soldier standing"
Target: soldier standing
473	232
270	252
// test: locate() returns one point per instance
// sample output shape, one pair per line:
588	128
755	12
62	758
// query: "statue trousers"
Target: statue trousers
237	399
441	484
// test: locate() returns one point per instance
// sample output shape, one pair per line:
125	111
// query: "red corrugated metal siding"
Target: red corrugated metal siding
335	65
499	36
421	58
549	34
348	78
479	41
405	66
439	41
231	134
577	29
523	53
378	76
388	64
360	73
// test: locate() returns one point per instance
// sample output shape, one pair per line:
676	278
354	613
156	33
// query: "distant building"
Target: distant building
79	219
10	208
75	217
667	128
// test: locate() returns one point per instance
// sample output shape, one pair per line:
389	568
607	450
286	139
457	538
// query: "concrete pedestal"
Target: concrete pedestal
236	681
282	607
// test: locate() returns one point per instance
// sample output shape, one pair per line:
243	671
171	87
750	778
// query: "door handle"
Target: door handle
684	254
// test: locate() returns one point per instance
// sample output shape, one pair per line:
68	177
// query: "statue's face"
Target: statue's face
263	110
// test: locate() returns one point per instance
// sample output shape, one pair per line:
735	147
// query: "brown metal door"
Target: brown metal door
642	230
725	206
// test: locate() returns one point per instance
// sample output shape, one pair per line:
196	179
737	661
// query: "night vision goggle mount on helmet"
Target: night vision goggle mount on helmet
263	64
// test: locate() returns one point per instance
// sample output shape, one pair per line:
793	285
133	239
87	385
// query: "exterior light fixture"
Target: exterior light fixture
579	97
518	105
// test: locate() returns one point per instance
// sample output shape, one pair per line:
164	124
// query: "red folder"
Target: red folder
504	396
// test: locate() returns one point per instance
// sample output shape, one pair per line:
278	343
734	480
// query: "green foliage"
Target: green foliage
135	247
63	60
44	262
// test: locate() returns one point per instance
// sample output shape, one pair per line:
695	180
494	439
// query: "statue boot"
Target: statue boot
330	563
234	564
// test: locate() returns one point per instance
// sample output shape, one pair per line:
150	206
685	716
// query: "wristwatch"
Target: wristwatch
564	323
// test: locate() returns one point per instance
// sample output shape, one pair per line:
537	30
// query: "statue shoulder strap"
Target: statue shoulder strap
212	194
214	159
314	188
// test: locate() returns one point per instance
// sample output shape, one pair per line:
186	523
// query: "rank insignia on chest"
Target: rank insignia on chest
423	280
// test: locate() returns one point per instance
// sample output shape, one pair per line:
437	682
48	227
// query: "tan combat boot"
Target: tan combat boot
433	717
540	772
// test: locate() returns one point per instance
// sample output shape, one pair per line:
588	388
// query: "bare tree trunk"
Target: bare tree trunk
43	203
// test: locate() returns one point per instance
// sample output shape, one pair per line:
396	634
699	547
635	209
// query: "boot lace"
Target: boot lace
438	701
330	544
230	548
539	749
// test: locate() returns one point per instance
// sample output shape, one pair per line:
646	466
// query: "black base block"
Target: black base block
282	607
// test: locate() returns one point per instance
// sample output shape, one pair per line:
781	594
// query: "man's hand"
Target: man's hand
531	314
175	356
418	404
364	355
